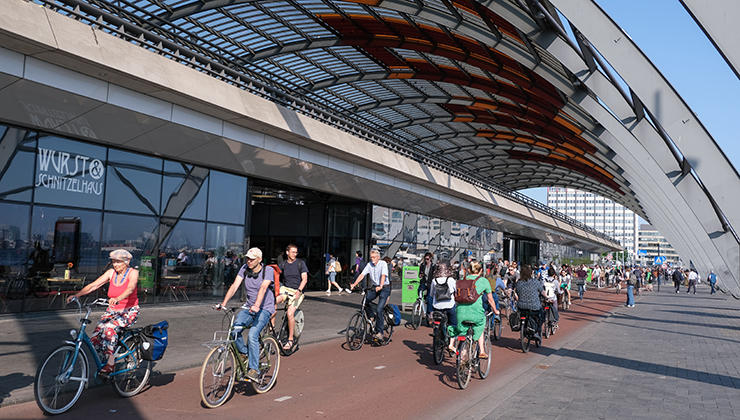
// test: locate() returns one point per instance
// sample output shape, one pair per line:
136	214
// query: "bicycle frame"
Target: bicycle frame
81	337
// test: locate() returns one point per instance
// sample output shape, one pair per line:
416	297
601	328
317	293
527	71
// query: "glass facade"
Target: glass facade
65	202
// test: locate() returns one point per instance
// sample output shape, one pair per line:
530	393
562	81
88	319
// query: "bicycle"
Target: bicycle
504	305
64	374
549	325
526	334
363	321
468	354
282	334
419	311
223	364
563	299
441	336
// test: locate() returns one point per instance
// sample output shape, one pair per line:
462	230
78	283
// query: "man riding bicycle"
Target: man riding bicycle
295	277
378	272
256	311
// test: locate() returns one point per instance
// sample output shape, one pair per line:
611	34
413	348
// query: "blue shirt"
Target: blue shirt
712	278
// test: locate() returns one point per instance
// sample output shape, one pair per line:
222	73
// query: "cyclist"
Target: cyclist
256	311
474	311
443	293
527	294
123	305
552	288
295	277
565	282
378	272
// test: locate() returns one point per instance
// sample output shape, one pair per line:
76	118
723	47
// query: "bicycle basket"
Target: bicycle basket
220	338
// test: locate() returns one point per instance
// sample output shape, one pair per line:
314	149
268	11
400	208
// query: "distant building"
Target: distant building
654	244
599	213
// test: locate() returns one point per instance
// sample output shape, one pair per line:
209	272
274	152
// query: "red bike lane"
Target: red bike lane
325	380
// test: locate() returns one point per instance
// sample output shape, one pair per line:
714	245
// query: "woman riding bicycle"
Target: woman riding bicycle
474	312
443	297
527	293
123	305
256	311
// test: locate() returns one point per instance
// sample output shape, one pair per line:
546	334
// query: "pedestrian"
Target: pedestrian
677	279
356	269
332	271
693	276
581	275
631	282
712	279
426	275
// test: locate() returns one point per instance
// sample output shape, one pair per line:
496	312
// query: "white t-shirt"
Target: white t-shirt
445	304
376	272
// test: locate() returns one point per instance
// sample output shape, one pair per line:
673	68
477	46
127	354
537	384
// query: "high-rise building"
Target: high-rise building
599	213
655	245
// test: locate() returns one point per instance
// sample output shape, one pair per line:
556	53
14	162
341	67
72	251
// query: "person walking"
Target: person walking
632	281
693	277
331	271
677	279
712	279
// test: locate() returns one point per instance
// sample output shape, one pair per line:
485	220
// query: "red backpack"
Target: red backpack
466	292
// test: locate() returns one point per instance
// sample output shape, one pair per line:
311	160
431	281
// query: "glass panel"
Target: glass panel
16	164
137	234
287	220
14	246
69	173
88	267
226	242
134	183
174	186
338	221
316	220
182	258
260	220
227	198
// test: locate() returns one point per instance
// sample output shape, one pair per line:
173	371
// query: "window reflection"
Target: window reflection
134	183
184	186
182	257
17	164
227	198
226	243
14	244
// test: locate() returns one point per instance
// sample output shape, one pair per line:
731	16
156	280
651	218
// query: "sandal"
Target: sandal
107	369
288	345
483	356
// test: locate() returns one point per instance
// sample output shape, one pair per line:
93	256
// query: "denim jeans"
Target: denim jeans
630	295
713	291
332	278
581	290
383	295
257	321
692	283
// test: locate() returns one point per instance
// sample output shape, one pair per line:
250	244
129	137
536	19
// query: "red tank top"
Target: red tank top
116	288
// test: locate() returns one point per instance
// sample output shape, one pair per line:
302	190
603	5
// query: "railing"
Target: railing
236	75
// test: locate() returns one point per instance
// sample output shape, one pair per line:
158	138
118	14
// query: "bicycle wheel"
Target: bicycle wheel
524	340
356	329
547	325
60	380
217	376
269	365
284	333
417	314
497	327
387	329
484	365
132	372
439	343
464	365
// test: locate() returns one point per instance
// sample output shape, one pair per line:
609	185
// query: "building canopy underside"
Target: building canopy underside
507	94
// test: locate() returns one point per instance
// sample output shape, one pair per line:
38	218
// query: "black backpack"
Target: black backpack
442	292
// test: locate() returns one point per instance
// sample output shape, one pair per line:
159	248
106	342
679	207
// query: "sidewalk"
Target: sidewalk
671	356
25	342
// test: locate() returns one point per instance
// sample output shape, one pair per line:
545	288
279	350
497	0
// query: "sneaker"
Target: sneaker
379	336
349	291
253	375
328	292
339	292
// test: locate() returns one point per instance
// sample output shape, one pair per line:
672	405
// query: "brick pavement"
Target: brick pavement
672	356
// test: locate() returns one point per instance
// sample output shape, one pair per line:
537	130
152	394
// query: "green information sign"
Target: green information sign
408	289
146	273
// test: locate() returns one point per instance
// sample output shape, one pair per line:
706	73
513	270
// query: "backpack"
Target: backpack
276	277
394	314
466	292
632	280
154	341
442	292
337	266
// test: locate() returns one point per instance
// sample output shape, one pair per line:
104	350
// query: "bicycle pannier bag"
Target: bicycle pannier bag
514	321
442	291
466	292
154	341
394	313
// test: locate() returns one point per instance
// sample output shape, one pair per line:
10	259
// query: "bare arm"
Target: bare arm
97	284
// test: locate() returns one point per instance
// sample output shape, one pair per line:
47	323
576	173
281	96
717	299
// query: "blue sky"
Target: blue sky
671	39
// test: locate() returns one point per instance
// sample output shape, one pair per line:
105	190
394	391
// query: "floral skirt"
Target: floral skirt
105	336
